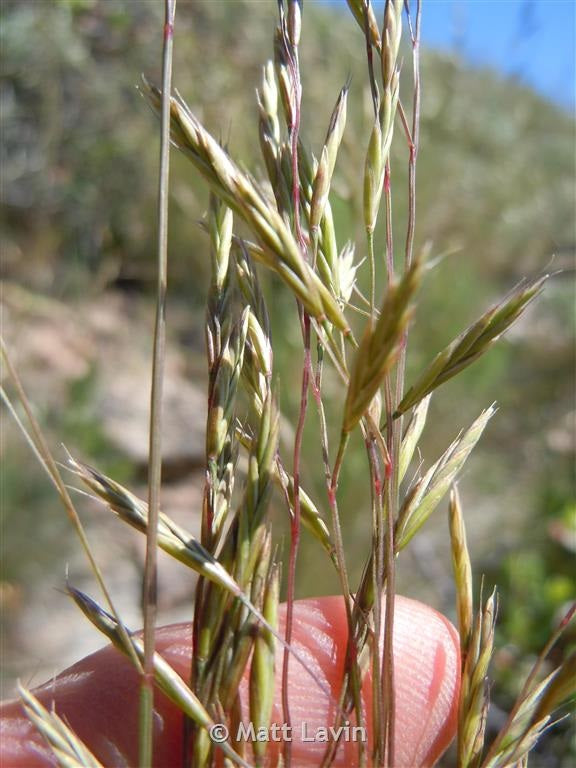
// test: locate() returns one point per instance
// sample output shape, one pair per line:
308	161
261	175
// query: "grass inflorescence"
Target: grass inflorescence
287	226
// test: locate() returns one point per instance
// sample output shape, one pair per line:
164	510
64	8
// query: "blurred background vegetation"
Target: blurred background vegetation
496	196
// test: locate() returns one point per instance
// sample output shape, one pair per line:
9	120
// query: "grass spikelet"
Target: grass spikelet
462	571
425	495
226	345
269	134
383	129
412	436
311	516
364	15
323	178
257	370
287	87
524	730
251	290
262	670
173	539
223	386
258	487
379	347
373	177
518	750
536	702
220	228
472	343
68	750
165	677
560	688
325	247
392	34
474	695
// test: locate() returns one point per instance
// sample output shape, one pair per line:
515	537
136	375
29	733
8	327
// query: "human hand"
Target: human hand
98	696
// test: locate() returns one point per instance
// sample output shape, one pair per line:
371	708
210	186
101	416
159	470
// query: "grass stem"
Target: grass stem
156	396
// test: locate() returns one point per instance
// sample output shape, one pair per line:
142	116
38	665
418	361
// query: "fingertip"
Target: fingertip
426	681
98	697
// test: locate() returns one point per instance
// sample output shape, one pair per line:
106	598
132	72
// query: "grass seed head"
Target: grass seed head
262	678
325	170
462	570
380	347
66	747
474	692
425	495
364	15
472	343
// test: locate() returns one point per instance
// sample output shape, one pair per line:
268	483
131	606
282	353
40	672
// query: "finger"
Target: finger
98	696
426	683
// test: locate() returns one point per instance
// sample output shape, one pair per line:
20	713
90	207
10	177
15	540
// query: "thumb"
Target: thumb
98	697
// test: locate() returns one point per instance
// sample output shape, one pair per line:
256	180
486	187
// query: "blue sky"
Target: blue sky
531	40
